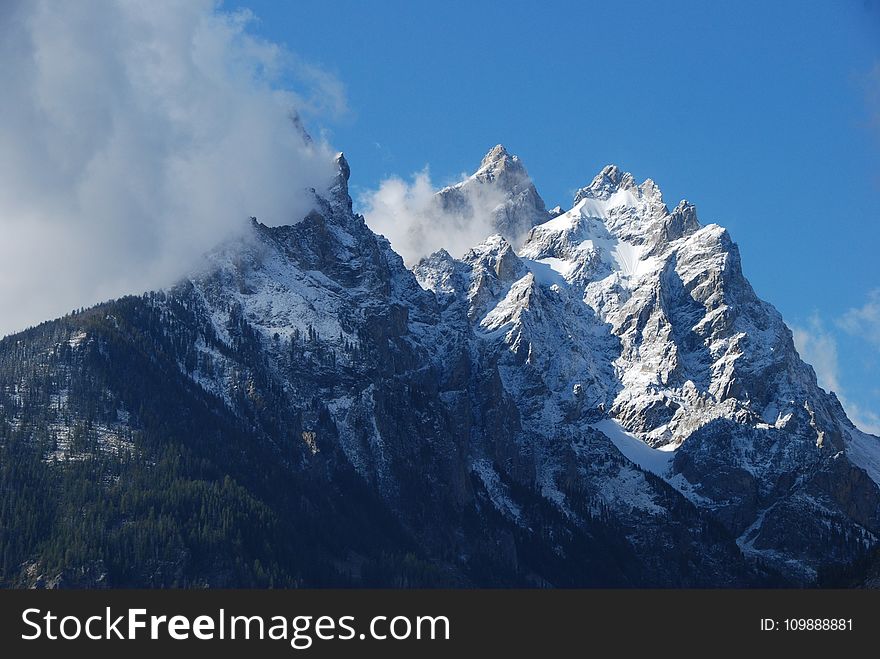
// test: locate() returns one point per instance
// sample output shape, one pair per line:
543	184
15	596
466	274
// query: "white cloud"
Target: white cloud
864	321
417	224
135	135
818	347
864	419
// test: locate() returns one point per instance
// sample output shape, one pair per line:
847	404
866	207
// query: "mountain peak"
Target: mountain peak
342	165
611	172
500	194
607	182
496	154
339	189
499	161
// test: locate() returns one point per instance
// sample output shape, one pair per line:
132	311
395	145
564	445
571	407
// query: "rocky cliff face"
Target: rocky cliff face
608	404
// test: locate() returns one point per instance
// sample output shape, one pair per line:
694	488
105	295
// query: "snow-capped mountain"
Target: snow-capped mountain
638	316
608	403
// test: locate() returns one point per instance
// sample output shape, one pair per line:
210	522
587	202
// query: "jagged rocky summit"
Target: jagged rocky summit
500	188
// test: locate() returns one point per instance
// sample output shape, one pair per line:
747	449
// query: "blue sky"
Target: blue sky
766	115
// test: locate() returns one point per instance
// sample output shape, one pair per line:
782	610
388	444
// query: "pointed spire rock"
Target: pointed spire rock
339	189
342	166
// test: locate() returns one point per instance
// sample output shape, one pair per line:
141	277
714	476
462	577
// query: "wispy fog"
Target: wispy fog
417	222
133	137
